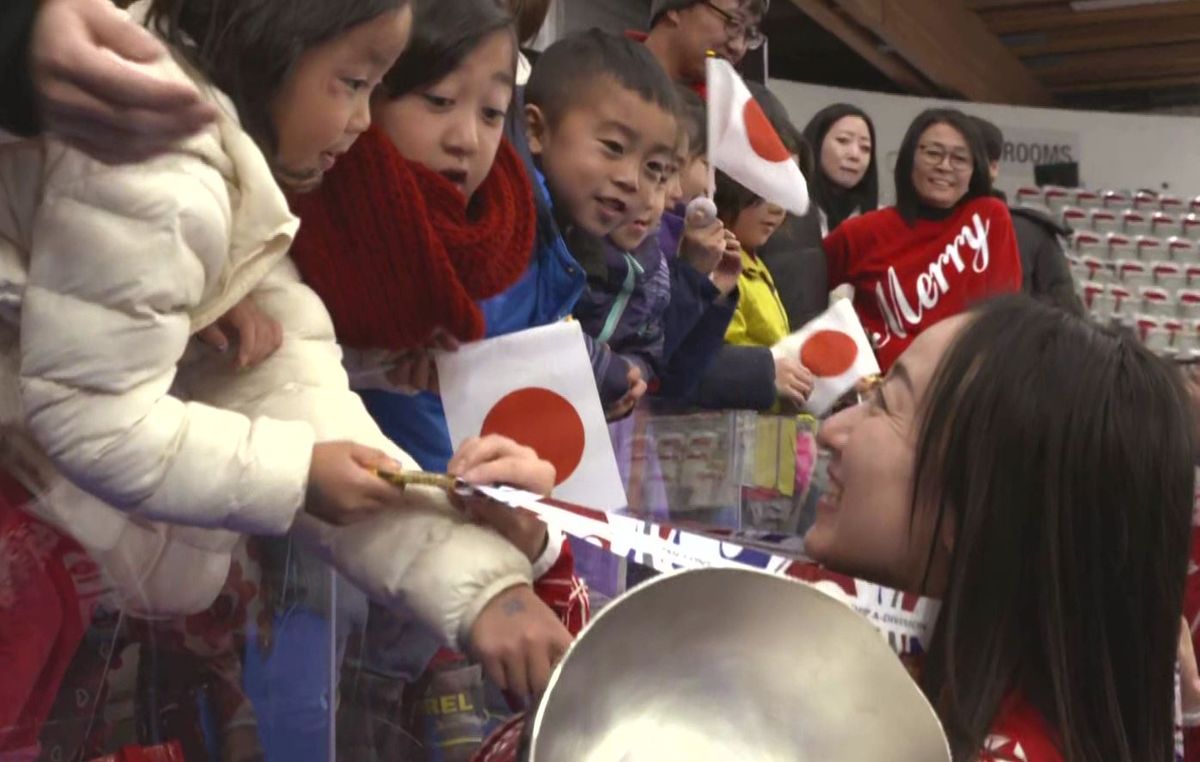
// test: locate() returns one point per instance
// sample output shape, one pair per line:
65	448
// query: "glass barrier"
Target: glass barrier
245	678
283	662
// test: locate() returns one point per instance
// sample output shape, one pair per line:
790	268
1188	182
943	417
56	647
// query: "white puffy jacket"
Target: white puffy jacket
106	273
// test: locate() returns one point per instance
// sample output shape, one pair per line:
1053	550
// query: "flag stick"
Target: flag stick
704	204
712	168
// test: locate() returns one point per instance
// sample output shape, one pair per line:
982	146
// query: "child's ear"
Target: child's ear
535	128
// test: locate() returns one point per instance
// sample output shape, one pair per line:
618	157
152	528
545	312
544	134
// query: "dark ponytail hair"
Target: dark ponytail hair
839	203
445	32
907	201
1061	454
247	48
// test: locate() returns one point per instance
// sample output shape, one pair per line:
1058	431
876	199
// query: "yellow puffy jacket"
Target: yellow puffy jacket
760	319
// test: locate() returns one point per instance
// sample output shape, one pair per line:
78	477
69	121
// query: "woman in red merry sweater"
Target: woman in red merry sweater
946	244
1051	519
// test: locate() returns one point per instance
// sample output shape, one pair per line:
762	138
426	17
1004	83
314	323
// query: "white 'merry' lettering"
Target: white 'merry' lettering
899	313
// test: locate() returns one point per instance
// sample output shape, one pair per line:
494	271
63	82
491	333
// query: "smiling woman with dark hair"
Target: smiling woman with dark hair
1050	516
946	244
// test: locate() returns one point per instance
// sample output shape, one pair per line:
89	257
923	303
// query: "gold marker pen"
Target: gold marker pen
404	479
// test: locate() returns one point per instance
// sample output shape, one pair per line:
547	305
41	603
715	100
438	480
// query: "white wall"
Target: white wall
1119	151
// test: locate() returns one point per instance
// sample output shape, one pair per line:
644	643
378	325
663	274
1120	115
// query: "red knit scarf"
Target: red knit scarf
393	251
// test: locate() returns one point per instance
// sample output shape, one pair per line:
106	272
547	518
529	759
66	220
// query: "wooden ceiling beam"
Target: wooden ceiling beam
1130	64
1034	19
1111	36
989	5
951	47
866	45
1128	85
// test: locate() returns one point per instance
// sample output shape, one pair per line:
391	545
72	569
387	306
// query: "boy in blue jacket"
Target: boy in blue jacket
601	121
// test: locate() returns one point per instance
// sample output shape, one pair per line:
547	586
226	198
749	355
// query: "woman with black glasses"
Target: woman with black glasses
946	244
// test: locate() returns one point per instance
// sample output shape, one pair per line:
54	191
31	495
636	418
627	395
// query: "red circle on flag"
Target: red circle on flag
543	420
763	138
829	353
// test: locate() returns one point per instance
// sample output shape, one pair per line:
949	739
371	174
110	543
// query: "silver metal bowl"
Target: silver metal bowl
724	665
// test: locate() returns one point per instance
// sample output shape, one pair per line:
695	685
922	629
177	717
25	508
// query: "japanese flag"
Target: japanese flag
537	388
745	146
835	348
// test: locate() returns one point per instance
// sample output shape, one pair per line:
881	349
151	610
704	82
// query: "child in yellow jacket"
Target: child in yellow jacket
760	319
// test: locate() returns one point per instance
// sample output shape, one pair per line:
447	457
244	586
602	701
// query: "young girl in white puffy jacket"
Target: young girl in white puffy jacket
153	449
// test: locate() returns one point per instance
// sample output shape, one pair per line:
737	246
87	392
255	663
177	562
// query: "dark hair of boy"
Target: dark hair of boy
993	138
567	71
693	119
247	49
839	204
1071	536
444	33
907	202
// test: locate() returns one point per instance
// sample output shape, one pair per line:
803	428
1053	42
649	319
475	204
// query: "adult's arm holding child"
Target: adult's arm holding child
74	68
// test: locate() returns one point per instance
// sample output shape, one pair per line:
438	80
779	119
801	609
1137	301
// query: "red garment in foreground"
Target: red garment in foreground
169	752
564	592
1020	734
43	617
1191	611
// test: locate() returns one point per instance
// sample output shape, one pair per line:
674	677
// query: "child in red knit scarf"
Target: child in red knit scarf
430	214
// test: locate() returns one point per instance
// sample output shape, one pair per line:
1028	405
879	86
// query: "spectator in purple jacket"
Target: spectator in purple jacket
628	291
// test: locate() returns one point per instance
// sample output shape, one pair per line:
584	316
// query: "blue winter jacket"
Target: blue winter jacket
545	294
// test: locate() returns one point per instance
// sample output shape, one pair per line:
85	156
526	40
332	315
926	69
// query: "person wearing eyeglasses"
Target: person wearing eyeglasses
947	244
683	31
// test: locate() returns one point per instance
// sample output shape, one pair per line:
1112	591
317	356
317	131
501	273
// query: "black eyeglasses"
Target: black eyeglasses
736	27
934	155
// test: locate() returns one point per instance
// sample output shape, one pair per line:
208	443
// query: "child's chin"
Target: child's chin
598	228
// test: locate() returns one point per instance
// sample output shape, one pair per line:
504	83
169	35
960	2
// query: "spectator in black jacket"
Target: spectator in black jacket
842	182
1047	276
59	74
794	254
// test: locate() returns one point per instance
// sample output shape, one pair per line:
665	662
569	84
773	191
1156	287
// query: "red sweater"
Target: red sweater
908	278
1020	734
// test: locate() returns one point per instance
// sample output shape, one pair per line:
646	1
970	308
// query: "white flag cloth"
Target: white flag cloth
744	145
835	348
536	387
